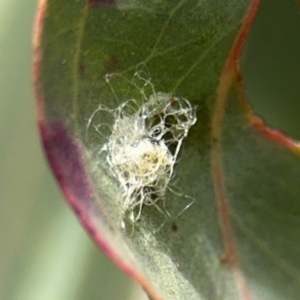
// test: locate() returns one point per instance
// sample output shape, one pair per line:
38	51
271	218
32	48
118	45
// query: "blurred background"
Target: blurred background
44	253
271	65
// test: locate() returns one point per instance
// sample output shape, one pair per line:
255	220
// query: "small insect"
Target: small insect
144	146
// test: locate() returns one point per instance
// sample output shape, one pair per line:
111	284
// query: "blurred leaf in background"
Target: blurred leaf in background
270	65
44	253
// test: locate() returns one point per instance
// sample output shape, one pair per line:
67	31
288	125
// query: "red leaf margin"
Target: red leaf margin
63	153
228	74
231	75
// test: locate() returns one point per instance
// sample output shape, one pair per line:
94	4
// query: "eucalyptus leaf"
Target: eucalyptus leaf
239	238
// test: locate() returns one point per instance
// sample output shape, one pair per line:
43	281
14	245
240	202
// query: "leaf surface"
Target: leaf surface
239	239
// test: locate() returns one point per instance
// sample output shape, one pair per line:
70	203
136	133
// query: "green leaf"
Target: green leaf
239	239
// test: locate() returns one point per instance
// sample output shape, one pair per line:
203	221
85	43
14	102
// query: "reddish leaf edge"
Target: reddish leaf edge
50	134
256	121
228	75
231	75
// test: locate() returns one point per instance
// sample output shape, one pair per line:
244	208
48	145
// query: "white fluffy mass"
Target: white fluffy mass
143	147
